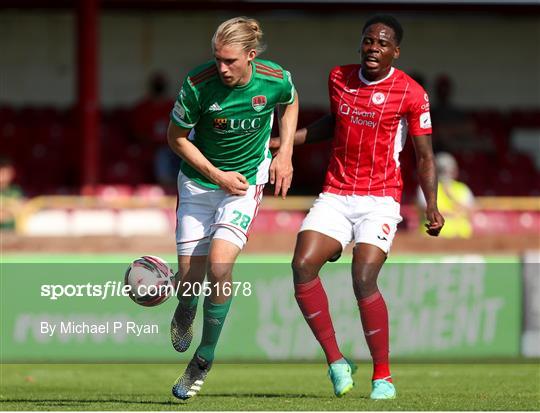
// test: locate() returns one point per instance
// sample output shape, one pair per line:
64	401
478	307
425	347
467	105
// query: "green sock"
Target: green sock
214	318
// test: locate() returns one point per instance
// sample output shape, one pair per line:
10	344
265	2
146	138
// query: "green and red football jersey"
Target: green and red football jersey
231	125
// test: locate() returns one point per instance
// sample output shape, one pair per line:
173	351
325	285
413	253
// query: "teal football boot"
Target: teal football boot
382	390
340	373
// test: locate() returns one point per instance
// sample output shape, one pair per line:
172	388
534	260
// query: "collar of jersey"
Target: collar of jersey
375	82
253	69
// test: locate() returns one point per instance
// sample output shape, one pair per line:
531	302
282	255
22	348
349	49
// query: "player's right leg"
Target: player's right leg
221	258
312	250
195	212
191	271
324	234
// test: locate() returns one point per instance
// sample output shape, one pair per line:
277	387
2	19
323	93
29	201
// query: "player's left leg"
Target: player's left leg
234	217
374	232
367	262
221	258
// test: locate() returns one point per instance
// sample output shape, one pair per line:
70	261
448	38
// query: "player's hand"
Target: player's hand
281	172
275	143
435	221
233	183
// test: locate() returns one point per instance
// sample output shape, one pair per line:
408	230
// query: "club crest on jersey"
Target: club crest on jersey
386	229
258	102
378	98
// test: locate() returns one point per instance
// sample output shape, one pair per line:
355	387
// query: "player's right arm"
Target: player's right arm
232	182
184	116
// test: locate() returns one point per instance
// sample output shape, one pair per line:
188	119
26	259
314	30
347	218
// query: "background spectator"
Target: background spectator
10	194
150	120
455	199
453	128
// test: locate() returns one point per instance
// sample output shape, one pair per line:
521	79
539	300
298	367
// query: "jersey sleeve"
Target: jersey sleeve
418	116
186	109
287	96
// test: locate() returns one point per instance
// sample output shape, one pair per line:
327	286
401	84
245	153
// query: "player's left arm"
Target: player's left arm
427	175
281	169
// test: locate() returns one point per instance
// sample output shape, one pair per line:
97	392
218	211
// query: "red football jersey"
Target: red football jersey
372	121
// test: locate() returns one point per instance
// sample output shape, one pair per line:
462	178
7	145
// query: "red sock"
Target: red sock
313	303
374	315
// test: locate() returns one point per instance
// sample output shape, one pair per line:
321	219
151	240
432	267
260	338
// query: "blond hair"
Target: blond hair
242	31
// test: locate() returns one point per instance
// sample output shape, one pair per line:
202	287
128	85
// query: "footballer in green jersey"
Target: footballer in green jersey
220	126
232	125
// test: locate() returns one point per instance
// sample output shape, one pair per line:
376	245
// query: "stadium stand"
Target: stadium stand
46	150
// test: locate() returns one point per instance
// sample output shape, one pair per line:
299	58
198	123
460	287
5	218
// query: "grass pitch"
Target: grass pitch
266	387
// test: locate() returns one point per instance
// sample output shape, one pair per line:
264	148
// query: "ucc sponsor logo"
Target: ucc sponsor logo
225	125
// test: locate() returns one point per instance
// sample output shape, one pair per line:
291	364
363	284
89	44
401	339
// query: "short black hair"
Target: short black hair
389	21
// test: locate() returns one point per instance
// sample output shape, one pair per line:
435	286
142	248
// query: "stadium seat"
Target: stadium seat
109	192
149	192
46	137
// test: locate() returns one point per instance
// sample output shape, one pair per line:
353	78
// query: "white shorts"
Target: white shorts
362	218
204	214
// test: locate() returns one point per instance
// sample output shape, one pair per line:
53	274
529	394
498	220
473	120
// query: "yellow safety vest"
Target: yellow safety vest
457	223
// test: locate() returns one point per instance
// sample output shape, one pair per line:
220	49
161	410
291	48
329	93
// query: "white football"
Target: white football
151	280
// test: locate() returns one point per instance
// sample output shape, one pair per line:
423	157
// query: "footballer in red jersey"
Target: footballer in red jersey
373	107
372	119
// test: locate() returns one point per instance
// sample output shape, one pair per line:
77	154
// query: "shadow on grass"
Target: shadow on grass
72	402
68	402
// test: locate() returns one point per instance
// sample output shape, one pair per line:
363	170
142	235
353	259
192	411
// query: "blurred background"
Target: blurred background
87	87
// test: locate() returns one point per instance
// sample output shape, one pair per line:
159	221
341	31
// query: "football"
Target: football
151	281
